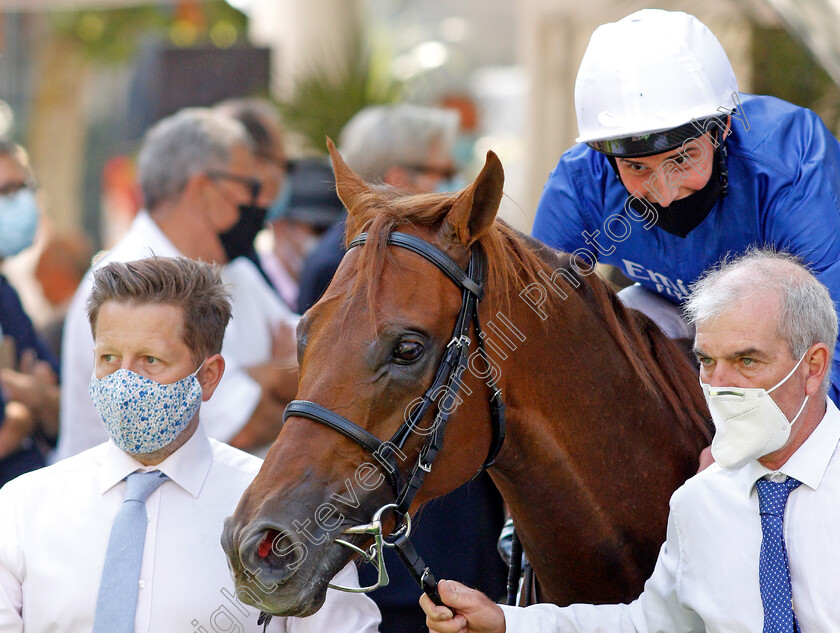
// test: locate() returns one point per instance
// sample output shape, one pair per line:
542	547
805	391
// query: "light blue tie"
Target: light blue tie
116	603
773	569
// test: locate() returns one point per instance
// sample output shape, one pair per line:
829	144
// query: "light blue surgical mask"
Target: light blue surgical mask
456	183
18	221
280	207
140	415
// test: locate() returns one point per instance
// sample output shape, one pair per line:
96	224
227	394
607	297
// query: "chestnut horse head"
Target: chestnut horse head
595	395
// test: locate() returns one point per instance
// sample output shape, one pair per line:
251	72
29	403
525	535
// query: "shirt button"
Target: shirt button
141	583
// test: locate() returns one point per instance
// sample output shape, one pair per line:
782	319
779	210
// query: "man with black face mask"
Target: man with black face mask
196	172
674	169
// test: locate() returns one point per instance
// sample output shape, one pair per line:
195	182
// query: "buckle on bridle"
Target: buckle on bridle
460	342
375	553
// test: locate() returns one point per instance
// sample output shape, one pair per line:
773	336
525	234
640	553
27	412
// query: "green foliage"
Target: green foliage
326	98
784	68
112	36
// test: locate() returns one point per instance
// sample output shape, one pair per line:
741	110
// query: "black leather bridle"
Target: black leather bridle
446	381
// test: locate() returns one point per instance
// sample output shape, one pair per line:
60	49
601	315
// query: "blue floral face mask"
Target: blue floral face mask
143	416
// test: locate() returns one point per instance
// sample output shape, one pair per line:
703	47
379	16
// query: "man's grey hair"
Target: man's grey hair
380	137
808	313
19	155
188	142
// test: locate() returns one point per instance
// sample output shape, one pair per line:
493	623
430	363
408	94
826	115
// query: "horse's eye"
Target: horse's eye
408	351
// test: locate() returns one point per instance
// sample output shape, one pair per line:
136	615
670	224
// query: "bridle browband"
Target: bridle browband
445	385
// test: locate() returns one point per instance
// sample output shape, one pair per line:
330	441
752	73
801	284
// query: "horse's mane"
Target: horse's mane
659	362
515	261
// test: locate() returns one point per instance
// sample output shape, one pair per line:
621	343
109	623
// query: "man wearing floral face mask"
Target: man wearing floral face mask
196	172
134	523
752	540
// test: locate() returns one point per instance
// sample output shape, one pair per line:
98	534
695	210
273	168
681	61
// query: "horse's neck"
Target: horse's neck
581	427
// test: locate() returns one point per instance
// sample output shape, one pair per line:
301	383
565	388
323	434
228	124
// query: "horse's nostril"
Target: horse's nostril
264	548
273	552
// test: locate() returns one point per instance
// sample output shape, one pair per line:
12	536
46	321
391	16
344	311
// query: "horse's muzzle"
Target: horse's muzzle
274	571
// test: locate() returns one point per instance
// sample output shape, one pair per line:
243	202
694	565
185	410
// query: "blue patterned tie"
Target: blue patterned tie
773	569
117	600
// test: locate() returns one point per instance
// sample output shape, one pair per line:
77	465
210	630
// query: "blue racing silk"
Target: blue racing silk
784	187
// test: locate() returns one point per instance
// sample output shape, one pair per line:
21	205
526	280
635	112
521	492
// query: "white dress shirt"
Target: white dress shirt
257	312
54	530
706	577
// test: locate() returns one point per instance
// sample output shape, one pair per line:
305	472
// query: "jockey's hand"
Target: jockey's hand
467	611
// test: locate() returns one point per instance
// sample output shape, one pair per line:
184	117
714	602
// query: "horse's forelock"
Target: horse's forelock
380	212
512	264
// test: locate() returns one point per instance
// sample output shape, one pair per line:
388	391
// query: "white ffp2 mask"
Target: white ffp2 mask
748	423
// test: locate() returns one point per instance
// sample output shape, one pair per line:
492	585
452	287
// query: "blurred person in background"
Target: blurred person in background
28	371
309	206
299	197
196	172
61	266
262	125
407	146
410	147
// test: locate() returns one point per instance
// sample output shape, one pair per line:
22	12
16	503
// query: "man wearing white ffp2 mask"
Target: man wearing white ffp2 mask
748	422
757	383
751	547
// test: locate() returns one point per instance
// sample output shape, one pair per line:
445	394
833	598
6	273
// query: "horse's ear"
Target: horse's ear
348	184
474	210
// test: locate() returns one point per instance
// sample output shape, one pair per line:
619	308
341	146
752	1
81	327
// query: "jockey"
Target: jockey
674	169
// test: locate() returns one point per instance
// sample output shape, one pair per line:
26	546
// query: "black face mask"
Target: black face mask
238	240
682	216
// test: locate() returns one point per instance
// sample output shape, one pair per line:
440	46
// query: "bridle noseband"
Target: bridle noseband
446	381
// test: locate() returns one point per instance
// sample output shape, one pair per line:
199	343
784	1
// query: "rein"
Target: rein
445	386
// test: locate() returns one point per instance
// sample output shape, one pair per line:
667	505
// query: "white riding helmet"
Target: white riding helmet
645	79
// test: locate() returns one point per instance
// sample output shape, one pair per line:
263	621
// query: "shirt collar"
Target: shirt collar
152	235
188	466
810	461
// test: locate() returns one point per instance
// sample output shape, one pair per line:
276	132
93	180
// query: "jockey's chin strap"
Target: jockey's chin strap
442	393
